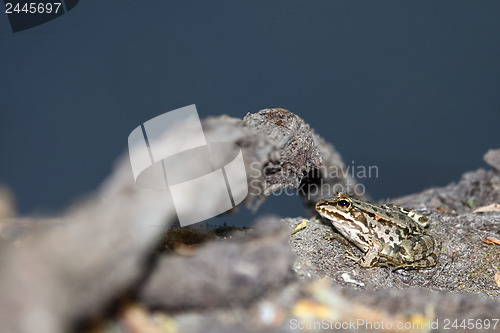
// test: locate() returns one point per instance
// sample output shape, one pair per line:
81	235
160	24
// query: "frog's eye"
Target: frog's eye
343	203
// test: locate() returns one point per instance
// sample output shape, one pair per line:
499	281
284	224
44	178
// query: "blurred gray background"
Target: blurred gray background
411	87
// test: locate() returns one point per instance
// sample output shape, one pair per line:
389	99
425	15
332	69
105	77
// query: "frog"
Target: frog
387	234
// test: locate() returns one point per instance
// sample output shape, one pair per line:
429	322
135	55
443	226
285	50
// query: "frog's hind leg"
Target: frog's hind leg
427	262
373	258
419	252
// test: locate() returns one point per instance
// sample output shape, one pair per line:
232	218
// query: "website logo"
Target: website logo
170	153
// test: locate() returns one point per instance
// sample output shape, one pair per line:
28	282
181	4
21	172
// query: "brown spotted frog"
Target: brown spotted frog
386	233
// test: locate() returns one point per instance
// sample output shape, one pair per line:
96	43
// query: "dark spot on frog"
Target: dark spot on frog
387	231
391	238
383	221
371	215
398	232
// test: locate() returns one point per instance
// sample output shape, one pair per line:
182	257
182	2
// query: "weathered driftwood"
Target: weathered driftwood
74	267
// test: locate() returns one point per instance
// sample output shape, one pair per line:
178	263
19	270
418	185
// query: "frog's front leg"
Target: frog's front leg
372	256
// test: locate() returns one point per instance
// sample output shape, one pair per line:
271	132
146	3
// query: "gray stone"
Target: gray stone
492	157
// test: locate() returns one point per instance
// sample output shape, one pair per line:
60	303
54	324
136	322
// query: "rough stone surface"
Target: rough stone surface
492	157
330	178
224	272
108	250
475	189
285	157
73	267
293	151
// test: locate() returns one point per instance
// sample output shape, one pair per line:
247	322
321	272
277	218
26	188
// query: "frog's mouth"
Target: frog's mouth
329	213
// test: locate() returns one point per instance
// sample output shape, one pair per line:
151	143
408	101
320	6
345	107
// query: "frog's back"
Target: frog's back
388	214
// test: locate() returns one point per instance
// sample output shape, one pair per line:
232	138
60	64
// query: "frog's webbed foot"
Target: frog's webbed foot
353	257
368	260
371	258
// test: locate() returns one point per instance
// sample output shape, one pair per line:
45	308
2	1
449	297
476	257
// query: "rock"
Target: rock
77	266
219	273
492	157
63	272
474	189
7	204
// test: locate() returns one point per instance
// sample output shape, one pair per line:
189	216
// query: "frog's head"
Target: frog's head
343	212
339	203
